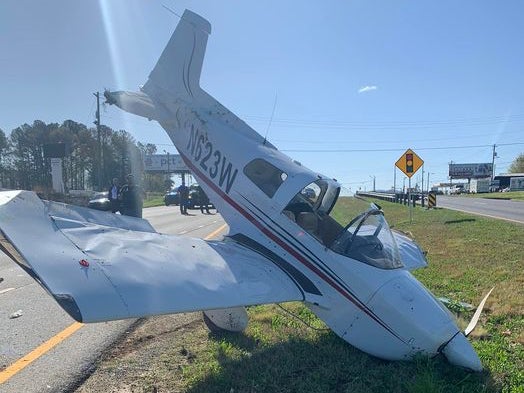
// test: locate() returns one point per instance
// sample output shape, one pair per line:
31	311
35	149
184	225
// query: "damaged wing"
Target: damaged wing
101	266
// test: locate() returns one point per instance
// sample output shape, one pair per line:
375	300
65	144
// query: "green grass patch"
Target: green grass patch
153	199
513	195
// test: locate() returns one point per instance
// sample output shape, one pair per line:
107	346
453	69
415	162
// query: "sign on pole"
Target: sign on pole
165	163
432	200
409	163
471	171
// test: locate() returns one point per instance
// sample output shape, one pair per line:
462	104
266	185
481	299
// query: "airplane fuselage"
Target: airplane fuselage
385	312
382	310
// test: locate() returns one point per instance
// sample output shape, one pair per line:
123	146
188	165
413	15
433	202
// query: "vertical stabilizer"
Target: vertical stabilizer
179	67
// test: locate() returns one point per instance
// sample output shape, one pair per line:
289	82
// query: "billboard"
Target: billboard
159	163
56	150
470	171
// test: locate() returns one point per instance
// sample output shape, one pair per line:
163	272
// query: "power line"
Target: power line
394	149
455	137
461	122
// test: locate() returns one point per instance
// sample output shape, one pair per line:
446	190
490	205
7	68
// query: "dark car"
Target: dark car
195	196
100	201
172	198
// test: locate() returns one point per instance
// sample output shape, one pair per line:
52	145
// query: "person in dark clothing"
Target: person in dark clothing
183	193
131	198
114	190
203	200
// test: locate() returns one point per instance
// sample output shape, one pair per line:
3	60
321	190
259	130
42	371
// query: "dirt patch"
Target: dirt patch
122	368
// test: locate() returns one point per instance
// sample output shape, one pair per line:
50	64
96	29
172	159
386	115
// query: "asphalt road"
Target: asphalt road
60	368
495	208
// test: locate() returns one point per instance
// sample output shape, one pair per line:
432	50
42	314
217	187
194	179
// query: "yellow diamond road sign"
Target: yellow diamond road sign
409	163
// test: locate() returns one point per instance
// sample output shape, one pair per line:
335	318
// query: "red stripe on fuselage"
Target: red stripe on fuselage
287	248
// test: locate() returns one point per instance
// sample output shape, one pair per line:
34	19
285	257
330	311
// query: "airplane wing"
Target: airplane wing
100	266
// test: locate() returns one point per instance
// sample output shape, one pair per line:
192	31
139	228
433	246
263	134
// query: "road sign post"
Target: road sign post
409	163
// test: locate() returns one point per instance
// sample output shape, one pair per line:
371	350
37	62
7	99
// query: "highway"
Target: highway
496	208
44	350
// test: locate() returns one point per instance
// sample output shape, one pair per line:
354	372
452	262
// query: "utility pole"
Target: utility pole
394	179
422	186
493	164
99	155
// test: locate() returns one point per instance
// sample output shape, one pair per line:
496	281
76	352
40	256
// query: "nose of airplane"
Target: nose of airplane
460	352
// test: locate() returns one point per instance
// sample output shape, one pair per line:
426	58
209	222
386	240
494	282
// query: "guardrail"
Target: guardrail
402	198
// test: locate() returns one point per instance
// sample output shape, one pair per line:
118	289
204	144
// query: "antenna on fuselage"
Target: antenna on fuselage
270	119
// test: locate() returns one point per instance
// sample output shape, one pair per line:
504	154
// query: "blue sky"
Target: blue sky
356	82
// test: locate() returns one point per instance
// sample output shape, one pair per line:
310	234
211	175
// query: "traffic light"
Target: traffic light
409	163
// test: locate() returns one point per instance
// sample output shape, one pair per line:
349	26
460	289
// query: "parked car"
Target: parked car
194	199
172	198
100	201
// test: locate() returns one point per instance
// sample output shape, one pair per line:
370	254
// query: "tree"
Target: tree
517	166
23	165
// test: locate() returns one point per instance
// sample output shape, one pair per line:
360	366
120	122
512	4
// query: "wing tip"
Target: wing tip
68	303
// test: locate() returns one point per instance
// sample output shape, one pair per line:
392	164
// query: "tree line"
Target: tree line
23	165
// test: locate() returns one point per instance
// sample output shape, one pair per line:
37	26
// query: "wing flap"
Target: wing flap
128	273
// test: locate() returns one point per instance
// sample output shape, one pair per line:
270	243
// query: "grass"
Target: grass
277	353
153	199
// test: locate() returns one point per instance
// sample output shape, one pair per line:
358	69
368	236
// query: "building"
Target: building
505	180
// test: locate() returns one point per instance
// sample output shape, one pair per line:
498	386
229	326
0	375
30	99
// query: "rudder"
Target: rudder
179	67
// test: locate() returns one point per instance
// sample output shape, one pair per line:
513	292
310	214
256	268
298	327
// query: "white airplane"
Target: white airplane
283	243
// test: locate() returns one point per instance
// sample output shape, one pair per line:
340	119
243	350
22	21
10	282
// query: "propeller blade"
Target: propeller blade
476	316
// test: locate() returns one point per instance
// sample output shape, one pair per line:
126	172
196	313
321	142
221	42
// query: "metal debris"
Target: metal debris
16	314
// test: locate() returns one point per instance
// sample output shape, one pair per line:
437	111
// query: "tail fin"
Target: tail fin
179	67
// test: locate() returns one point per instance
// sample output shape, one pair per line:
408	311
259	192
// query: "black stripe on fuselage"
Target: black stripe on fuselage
305	283
291	239
331	276
279	240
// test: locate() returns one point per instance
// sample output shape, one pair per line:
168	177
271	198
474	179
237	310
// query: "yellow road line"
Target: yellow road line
25	361
214	233
39	351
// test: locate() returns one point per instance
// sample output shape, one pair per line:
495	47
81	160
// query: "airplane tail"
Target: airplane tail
179	67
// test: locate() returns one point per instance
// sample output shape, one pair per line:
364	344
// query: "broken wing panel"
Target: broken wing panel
99	273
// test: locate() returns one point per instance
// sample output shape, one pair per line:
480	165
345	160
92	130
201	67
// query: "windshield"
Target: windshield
368	238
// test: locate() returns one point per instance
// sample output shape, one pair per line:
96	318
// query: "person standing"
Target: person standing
183	194
113	195
203	200
131	198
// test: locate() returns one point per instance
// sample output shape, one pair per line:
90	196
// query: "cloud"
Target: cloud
367	88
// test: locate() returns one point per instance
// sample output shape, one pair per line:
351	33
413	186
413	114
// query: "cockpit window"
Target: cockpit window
311	193
367	237
266	176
